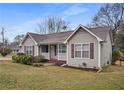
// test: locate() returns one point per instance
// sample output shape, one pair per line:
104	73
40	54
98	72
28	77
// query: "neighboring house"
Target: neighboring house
83	47
14	47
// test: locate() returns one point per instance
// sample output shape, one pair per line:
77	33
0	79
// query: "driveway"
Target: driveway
6	58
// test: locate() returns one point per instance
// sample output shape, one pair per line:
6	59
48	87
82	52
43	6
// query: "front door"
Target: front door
53	52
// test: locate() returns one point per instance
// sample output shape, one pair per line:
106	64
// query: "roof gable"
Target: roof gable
27	35
80	26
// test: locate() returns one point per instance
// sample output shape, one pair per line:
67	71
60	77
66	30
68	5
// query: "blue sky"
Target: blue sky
23	18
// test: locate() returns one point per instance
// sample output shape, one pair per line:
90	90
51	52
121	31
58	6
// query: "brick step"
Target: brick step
57	62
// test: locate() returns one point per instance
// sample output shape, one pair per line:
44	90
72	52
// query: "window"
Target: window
85	50
29	50
44	48
78	50
62	48
82	50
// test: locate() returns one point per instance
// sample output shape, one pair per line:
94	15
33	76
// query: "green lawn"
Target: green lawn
19	76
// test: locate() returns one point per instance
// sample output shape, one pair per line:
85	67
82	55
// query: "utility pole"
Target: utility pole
3	37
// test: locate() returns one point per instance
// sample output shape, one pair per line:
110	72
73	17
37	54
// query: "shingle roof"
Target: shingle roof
101	32
51	38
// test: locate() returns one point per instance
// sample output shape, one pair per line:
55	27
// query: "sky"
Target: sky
21	18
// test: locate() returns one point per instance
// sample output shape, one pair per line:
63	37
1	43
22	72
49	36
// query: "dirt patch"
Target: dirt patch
5	61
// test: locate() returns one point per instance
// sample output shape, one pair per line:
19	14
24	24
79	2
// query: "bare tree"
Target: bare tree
19	38
52	24
110	15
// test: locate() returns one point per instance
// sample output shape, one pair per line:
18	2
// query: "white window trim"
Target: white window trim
81	51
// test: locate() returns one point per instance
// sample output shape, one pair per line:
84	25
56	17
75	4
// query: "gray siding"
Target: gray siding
106	51
83	36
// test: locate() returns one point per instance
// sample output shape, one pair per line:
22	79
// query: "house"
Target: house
83	47
14	46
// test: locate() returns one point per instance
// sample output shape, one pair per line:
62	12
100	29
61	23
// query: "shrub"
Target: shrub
20	53
40	59
115	56
3	54
24	59
37	64
6	51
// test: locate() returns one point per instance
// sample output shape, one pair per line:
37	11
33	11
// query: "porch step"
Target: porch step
64	65
57	62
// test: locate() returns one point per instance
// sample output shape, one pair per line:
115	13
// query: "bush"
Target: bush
24	59
40	59
3	54
6	51
115	56
37	64
20	53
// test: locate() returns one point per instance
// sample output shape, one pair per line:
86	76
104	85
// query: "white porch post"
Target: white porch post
39	50
58	51
99	55
49	51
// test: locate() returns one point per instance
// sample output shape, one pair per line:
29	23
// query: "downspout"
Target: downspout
67	53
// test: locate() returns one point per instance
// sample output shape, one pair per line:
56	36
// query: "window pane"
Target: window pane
85	54
77	47
44	48
78	54
78	50
85	47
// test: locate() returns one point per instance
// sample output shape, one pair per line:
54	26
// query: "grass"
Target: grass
19	76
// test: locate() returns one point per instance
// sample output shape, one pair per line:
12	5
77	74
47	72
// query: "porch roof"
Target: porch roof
51	38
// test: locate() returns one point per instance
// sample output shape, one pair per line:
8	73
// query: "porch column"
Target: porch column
39	50
49	51
58	51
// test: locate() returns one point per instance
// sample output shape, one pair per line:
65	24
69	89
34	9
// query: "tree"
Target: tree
110	15
3	38
6	41
3	35
52	24
19	38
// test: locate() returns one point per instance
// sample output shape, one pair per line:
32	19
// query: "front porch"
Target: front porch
53	51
